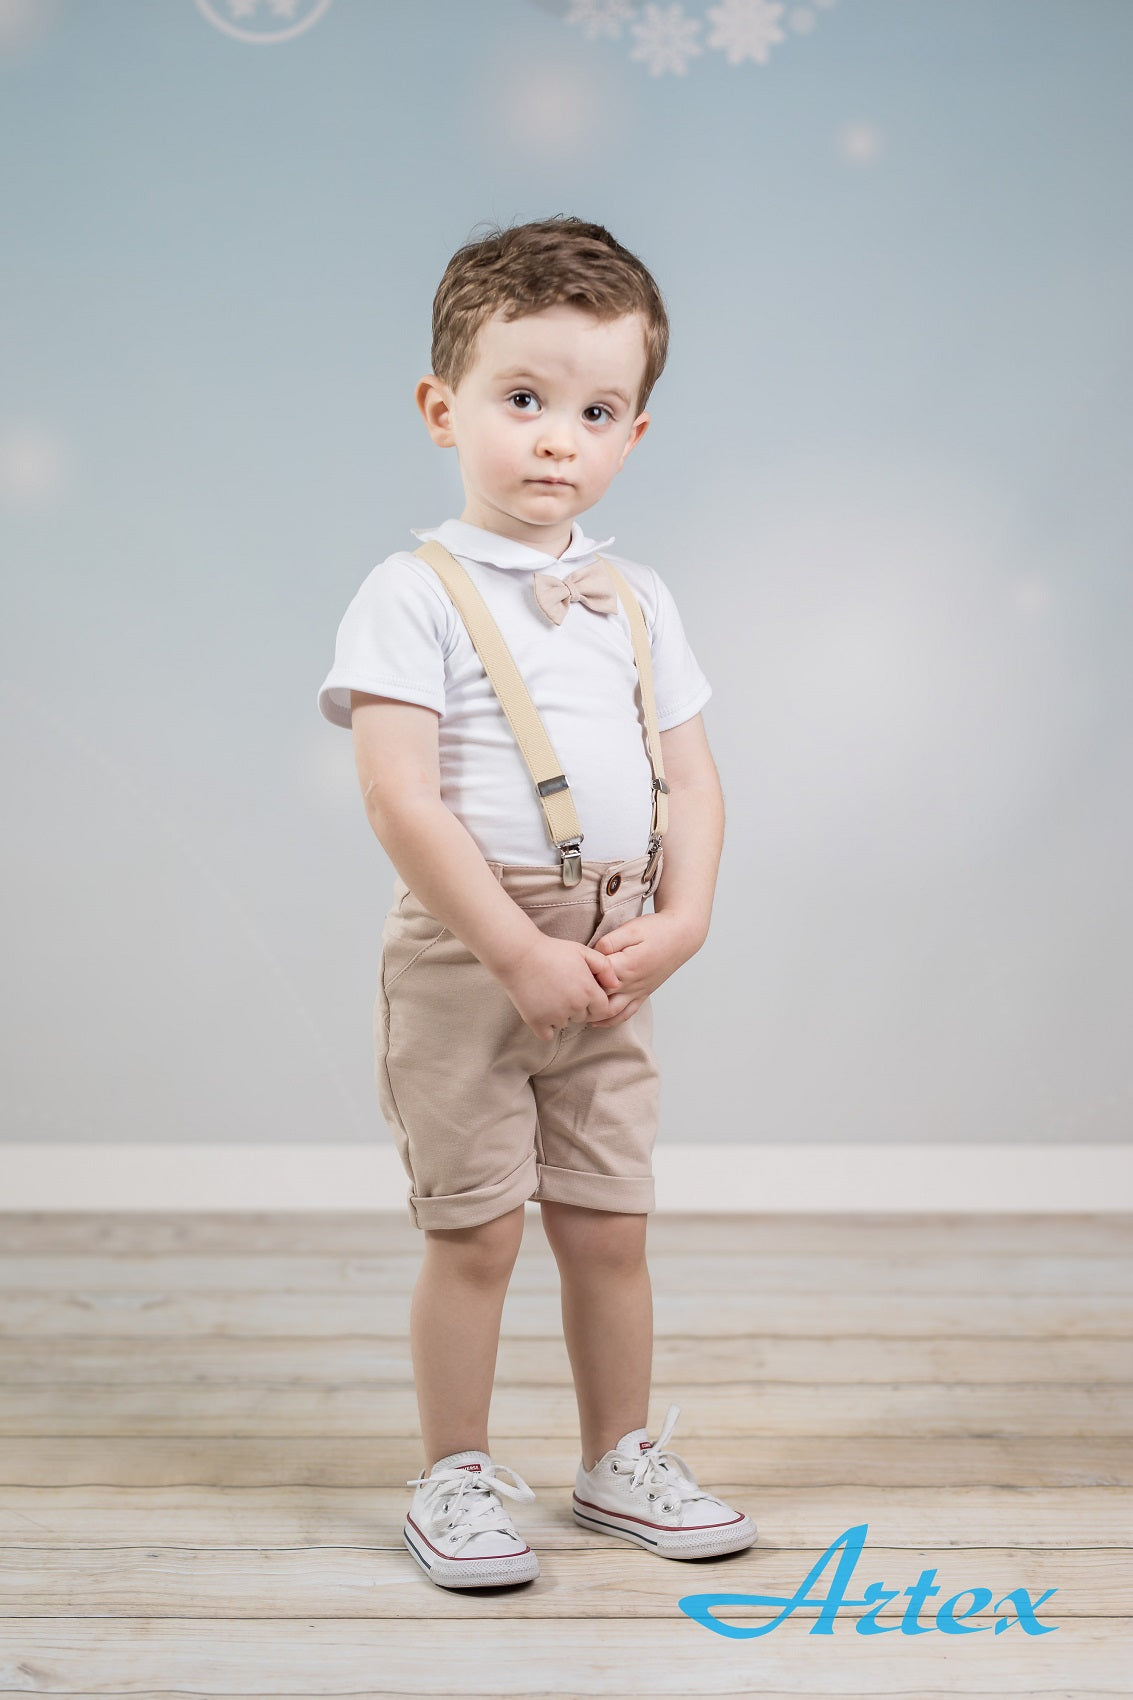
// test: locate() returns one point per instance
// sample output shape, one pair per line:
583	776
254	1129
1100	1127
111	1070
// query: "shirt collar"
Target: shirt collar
495	551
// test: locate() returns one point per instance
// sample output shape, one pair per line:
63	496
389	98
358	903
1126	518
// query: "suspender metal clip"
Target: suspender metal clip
658	785
654	853
571	858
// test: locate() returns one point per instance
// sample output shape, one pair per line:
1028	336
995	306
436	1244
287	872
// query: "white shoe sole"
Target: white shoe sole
676	1543
470	1572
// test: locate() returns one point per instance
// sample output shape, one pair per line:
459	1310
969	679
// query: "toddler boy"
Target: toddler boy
514	694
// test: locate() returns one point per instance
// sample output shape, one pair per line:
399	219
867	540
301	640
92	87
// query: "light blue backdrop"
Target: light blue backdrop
887	480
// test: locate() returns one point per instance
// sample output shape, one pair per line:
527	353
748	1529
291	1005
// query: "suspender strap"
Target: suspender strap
640	634
515	699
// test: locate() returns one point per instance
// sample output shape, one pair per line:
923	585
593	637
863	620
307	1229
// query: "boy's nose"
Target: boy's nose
554	443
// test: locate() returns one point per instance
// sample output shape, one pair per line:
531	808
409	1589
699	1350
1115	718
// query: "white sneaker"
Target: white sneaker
458	1531
649	1495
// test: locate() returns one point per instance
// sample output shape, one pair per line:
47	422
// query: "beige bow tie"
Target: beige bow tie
589	585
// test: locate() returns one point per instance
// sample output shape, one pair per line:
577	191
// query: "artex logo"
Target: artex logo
948	1616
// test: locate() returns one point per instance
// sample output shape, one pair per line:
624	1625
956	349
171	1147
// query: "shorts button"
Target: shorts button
612	884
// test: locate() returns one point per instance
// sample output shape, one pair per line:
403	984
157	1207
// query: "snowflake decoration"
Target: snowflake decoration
745	29
666	35
261	22
247	8
600	17
666	39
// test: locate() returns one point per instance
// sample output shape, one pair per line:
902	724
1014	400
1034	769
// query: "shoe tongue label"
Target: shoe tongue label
645	1445
470	1466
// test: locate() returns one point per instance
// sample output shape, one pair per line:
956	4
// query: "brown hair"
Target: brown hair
529	267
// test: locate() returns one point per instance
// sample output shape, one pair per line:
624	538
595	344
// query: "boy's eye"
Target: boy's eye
519	399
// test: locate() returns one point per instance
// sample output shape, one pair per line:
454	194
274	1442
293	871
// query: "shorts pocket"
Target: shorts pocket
405	943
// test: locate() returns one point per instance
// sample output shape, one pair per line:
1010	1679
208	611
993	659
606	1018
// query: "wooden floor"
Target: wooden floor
206	1423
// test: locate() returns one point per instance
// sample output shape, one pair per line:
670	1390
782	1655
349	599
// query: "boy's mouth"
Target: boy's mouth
561	481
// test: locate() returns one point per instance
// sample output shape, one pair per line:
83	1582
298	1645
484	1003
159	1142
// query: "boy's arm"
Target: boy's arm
396	754
695	835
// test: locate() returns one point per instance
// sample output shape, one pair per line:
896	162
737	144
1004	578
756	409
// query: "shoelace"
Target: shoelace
665	1470
472	1493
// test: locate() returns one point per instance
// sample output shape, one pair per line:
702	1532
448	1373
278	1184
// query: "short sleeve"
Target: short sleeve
679	685
391	642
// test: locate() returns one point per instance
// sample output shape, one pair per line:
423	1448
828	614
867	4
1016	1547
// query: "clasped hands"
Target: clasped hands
556	981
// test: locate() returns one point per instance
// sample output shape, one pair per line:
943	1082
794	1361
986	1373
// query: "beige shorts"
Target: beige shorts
483	1112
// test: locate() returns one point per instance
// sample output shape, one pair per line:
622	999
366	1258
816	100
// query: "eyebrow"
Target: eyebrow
522	372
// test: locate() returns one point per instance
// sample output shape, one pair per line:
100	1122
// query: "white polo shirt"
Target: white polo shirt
401	636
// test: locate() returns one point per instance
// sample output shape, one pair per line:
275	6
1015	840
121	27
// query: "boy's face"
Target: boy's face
549	397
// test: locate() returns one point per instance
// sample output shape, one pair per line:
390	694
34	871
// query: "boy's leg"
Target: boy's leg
607	1305
454	1326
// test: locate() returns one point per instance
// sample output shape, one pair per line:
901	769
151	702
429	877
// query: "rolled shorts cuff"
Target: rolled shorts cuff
631	1193
482	1204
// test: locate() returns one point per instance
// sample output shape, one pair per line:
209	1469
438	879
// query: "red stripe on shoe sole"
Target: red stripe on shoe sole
668	1528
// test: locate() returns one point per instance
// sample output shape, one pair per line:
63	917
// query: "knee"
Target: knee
605	1242
485	1253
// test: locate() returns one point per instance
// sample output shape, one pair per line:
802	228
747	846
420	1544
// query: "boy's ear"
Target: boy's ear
434	398
640	426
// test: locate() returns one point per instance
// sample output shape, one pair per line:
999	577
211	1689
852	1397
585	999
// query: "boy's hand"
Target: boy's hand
643	952
556	981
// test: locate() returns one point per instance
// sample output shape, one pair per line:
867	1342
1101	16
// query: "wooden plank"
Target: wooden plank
162	1580
348	1233
911	1273
764	1694
753	1408
787	1517
533	1361
567	1656
363	1461
161	1309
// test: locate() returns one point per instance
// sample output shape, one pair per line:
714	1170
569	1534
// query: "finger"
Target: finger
606	976
620	1016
